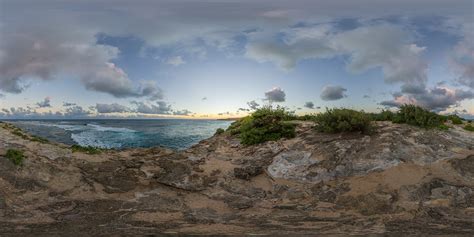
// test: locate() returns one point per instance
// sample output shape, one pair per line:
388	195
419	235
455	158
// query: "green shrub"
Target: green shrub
307	117
455	119
15	156
443	127
469	127
385	115
343	120
418	116
86	149
265	124
219	131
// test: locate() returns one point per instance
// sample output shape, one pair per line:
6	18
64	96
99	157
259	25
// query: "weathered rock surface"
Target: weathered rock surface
400	180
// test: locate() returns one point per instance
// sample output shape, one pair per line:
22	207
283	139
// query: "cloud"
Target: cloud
67	104
41	52
175	61
366	46
461	59
31	113
45	103
76	111
369	46
309	105
333	93
253	105
183	112
111	108
436	98
276	94
160	107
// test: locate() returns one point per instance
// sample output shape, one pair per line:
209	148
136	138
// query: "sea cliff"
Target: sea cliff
399	179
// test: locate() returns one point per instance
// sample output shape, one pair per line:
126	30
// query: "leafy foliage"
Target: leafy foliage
469	127
343	120
307	117
385	115
418	116
219	131
15	156
86	149
455	119
265	124
443	127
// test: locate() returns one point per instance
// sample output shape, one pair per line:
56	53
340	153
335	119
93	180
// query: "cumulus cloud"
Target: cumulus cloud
333	93
462	57
44	103
276	94
159	107
76	112
31	113
309	105
44	53
111	108
183	112
436	98
366	46
253	105
175	61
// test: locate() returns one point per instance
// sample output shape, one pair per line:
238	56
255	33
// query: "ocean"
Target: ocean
120	133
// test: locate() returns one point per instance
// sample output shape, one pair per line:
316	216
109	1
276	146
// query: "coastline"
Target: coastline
218	186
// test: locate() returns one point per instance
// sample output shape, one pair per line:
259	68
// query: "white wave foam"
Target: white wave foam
109	129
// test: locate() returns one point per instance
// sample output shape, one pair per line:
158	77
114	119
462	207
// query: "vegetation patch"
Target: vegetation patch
39	139
343	120
455	119
444	127
469	127
86	149
15	156
418	116
385	115
219	131
265	124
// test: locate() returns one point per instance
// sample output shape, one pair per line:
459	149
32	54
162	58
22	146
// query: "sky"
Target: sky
218	59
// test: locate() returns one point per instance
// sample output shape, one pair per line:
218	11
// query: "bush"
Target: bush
343	120
455	119
265	124
469	127
15	156
86	149
219	131
418	116
443	127
307	117
385	115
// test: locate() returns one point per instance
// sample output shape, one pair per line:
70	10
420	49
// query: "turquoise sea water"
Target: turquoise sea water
170	133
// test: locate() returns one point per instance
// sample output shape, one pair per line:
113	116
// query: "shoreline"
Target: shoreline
219	186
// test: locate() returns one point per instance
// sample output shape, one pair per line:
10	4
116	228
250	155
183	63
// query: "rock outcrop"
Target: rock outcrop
398	180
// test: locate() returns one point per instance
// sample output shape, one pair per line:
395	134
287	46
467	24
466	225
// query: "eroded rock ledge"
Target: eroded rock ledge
400	179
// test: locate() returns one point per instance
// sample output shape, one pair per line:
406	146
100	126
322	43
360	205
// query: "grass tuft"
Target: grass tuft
15	156
86	149
469	128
